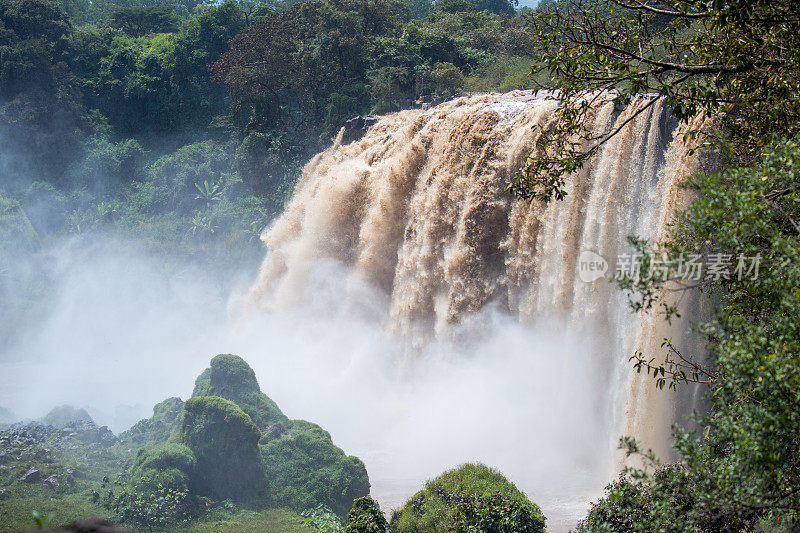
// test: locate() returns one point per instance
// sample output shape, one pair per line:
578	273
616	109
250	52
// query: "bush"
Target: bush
306	469
225	441
469	498
365	517
168	456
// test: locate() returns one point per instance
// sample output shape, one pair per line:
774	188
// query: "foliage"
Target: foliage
742	468
229	376
225	442
156	429
496	514
296	76
322	519
149	504
40	109
466	499
365	517
736	61
139	21
306	469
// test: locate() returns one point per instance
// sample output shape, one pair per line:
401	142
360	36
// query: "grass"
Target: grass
272	521
16	514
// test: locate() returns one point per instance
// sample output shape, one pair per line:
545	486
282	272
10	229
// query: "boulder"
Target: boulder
225	442
33	474
51	482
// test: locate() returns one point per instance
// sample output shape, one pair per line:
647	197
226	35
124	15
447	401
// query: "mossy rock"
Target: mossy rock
171	465
224	440
306	469
65	414
230	377
158	428
472	497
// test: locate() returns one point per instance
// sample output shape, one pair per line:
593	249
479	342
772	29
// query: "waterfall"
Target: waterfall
417	213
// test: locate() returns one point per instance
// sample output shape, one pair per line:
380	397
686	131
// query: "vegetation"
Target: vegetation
156	429
307	469
189	465
470	498
736	65
365	517
228	376
225	442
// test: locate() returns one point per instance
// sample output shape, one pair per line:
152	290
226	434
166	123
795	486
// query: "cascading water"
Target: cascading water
417	216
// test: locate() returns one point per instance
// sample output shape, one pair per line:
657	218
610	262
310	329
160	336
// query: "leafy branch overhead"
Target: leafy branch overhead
737	61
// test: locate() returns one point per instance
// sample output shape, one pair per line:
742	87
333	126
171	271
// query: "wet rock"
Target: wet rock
31	475
76	473
51	482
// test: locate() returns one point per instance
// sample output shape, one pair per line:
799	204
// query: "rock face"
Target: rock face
51	482
230	377
33	474
224	440
169	465
229	421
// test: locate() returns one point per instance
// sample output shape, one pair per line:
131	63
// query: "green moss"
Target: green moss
156	429
365	517
466	496
65	414
230	377
225	442
170	465
306	469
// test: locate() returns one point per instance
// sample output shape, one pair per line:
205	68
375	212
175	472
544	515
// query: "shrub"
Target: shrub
365	517
306	469
469	498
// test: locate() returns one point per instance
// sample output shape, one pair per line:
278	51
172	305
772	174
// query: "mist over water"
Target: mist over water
407	304
123	333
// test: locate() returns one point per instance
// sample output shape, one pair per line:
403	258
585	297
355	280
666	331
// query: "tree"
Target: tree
40	100
737	61
138	21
